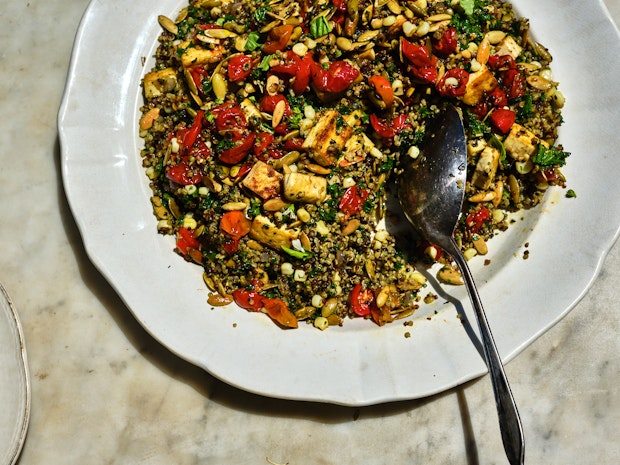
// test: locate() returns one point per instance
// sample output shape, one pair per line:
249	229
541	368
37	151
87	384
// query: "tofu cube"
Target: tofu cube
486	167
327	138
267	233
479	82
157	83
509	46
307	188
192	55
521	143
263	180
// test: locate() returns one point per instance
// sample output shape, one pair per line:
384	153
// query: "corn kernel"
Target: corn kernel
189	223
287	269
317	301
470	253
321	323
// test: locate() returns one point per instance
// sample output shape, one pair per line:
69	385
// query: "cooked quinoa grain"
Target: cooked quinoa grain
273	130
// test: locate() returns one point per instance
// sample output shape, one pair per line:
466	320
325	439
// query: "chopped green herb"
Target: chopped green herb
386	165
254	209
261	13
571	194
526	111
475	126
472	25
548	157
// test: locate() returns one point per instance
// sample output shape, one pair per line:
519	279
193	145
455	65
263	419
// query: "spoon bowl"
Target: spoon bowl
431	189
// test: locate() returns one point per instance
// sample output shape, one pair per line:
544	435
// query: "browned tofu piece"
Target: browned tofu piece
194	55
263	180
521	143
306	188
159	82
479	82
327	138
486	167
509	46
267	233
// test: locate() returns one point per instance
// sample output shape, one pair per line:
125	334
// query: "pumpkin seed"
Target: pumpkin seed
168	24
450	275
220	86
234	206
539	82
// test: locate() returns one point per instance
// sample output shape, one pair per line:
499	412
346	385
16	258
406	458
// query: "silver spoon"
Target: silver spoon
431	190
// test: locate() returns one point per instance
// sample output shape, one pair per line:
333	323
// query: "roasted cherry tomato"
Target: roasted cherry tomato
198	74
278	311
275	308
382	89
186	240
476	219
235	224
289	65
353	200
262	142
242	144
294	143
501	62
303	75
514	82
336	78
248	299
268	104
230	245
453	83
189	138
503	119
341	5
239	67
424	65
182	174
447	43
230	118
277	38
387	129
360	300
498	98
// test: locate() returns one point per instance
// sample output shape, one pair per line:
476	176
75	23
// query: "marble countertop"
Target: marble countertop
103	391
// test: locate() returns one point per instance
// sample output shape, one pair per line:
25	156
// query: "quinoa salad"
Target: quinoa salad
273	131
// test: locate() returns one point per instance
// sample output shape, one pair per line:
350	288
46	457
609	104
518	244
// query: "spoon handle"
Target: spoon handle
509	421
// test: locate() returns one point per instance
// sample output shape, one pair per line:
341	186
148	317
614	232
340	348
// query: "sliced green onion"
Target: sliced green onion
297	253
252	43
499	145
264	64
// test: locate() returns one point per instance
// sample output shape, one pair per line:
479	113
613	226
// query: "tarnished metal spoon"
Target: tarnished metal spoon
431	190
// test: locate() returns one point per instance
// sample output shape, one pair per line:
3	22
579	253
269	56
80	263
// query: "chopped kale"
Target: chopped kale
548	157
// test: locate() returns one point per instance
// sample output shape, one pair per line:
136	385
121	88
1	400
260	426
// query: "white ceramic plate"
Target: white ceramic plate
14	383
360	363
